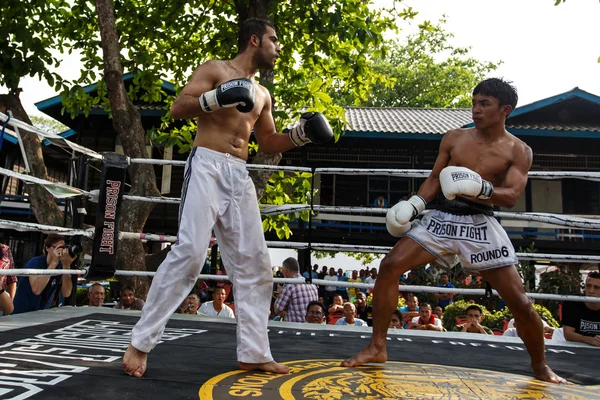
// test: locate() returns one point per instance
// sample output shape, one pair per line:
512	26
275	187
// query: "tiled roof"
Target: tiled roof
556	127
434	121
406	120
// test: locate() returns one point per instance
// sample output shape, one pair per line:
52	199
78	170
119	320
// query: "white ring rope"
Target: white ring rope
51	137
251	167
41	272
553	219
409	173
424	173
30	226
349	248
322	282
61	191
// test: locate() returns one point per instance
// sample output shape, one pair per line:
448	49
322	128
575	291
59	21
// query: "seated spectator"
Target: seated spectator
349	319
7	282
191	304
217	307
444	299
581	321
128	301
438	312
473	324
43	291
6	303
315	313
363	311
396	321
294	298
336	311
426	320
511	328
558	335
410	310
380	202
96	295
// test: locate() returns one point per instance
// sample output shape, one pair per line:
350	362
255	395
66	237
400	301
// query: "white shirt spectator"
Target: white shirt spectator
209	310
370	279
511	332
511	324
357	322
331	278
436	321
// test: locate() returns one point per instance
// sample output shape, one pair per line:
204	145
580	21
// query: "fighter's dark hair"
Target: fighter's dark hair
594	275
252	26
502	90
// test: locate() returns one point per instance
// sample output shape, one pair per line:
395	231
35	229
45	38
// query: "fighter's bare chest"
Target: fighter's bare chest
491	162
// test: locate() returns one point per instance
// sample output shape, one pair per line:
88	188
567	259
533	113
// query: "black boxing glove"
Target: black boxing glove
312	127
237	93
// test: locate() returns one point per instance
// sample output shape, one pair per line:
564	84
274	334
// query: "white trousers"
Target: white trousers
217	194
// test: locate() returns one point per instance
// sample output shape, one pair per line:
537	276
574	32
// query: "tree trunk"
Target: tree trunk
43	204
128	125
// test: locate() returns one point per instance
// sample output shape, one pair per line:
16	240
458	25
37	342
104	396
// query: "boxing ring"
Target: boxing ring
76	352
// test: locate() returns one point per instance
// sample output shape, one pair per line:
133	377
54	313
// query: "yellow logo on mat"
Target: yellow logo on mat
326	380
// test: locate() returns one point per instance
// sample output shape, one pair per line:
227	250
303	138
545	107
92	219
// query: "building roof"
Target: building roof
572	111
406	120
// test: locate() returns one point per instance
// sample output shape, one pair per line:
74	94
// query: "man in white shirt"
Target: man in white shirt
217	307
426	320
330	290
371	278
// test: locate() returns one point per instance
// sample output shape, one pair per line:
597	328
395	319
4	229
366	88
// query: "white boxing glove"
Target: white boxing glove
398	218
462	181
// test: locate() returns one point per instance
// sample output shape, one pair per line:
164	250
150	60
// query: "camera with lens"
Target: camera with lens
74	249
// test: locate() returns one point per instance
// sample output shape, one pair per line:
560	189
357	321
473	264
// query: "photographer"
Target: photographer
42	292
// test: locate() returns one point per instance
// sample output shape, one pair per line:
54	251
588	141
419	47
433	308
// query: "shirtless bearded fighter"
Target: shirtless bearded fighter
218	194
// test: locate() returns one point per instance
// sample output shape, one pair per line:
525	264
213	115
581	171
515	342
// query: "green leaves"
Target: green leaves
425	70
30	29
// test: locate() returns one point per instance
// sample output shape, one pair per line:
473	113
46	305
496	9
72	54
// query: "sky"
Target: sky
545	49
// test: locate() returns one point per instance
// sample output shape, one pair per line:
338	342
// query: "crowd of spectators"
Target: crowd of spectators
304	303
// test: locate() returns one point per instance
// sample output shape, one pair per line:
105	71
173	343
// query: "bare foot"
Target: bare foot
369	354
545	374
267	367
134	362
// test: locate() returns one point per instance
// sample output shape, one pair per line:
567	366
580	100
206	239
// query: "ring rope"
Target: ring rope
424	173
225	278
414	173
60	191
553	219
252	167
51	137
29	226
567	258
